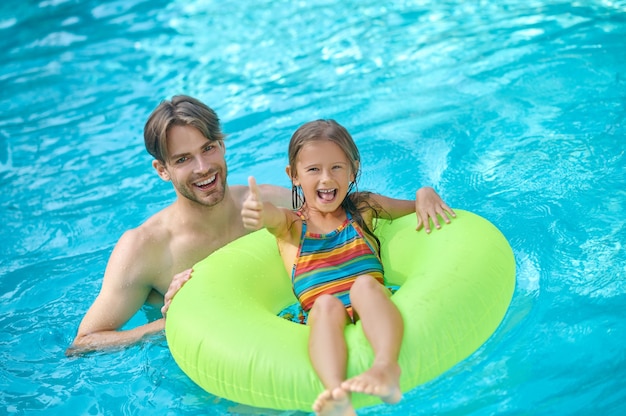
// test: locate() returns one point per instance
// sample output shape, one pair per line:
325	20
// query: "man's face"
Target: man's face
195	165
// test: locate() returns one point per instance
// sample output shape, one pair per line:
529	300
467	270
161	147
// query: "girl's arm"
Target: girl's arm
257	214
428	206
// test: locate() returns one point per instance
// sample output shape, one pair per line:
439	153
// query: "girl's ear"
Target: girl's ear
161	170
294	180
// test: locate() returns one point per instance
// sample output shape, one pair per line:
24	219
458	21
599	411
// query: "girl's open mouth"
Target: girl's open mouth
327	194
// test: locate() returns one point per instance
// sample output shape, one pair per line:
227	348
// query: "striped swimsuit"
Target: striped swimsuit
330	263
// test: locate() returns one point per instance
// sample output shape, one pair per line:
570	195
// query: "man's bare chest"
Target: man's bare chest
186	252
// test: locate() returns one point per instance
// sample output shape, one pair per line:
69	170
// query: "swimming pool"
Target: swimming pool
513	110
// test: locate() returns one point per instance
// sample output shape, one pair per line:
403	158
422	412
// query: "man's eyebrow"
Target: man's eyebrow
208	142
178	155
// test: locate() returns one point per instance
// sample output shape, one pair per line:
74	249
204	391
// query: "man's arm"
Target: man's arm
125	288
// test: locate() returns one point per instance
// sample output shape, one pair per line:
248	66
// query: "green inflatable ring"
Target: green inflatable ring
223	332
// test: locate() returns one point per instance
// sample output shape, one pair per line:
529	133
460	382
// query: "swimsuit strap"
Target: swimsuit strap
361	232
303	233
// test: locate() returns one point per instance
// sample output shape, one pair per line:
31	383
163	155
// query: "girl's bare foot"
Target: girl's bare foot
380	380
334	402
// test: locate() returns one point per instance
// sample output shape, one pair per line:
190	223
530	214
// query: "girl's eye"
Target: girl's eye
312	169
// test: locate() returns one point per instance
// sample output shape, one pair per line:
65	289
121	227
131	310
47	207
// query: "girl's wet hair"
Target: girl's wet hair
327	129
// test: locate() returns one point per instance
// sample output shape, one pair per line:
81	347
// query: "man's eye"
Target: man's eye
180	160
208	148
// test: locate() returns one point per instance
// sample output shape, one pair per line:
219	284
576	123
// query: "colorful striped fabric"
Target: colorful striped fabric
330	263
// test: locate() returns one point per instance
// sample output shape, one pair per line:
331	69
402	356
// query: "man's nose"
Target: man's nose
201	165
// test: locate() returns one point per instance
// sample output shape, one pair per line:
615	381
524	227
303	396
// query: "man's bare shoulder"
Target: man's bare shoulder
148	239
142	257
238	192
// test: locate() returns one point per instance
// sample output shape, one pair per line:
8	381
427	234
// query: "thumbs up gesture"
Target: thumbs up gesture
252	209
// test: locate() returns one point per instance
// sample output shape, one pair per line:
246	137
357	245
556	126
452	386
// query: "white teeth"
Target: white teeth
326	191
208	181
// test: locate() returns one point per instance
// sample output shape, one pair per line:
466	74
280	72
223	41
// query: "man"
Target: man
185	139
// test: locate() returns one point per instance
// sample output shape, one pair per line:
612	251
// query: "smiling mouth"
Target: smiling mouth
327	194
206	183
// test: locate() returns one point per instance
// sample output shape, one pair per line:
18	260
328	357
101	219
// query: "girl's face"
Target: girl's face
324	172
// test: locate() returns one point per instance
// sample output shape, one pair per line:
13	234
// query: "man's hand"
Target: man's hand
252	209
177	282
429	205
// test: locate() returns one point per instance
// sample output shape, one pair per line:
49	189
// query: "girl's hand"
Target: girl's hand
252	209
429	205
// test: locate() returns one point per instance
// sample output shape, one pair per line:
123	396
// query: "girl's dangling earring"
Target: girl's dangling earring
351	186
297	197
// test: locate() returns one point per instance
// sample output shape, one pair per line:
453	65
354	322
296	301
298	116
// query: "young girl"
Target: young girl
333	256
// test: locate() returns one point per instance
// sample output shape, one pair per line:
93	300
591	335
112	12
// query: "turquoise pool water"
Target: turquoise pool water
515	110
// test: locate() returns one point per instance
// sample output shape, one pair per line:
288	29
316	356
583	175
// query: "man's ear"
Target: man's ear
294	181
161	170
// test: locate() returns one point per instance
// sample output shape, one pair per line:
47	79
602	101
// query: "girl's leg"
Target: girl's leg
328	352
384	328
